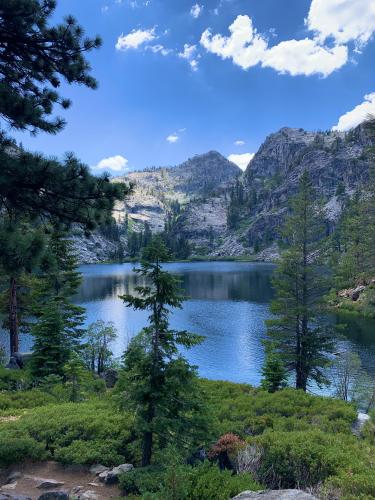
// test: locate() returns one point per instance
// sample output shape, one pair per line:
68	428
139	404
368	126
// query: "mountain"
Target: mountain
221	211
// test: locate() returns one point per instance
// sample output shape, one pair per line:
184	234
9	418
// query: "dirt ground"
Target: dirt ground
72	477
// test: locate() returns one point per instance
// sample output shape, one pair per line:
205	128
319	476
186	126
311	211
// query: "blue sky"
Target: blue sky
180	77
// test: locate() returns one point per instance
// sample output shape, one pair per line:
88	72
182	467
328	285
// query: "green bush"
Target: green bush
62	430
209	483
180	482
24	399
14	380
14	449
303	459
349	486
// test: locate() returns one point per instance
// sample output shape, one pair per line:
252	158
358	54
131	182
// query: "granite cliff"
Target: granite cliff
201	192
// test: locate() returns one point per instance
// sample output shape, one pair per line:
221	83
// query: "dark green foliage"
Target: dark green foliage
58	329
296	334
71	433
303	459
159	383
182	482
273	371
35	58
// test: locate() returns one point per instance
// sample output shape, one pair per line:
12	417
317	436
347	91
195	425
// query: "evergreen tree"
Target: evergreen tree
273	371
22	246
35	58
58	329
296	334
159	383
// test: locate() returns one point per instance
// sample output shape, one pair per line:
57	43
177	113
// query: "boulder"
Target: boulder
111	476
88	495
110	377
98	469
54	495
46	484
13	476
275	495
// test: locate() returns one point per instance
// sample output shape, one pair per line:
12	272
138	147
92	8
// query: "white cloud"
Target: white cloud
196	10
244	45
159	49
117	163
135	39
333	24
105	9
342	20
239	143
190	54
241	161
357	115
305	57
172	138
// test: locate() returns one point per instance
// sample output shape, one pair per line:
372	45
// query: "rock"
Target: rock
45	484
88	495
54	495
10	486
110	377
13	476
358	425
13	496
98	469
275	495
111	476
357	292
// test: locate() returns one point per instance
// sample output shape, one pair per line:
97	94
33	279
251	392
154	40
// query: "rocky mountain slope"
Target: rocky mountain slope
203	190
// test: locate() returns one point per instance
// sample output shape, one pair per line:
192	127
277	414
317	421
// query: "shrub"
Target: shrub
349	486
180	482
77	433
24	399
14	380
14	449
303	459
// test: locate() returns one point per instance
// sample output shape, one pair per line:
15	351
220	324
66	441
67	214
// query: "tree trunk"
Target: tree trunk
13	316
147	448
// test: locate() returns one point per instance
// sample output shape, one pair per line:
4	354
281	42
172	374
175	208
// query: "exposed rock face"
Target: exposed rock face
275	495
337	162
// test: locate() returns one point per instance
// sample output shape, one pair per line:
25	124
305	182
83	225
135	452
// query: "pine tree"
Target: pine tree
273	371
296	334
22	247
159	383
96	349
58	329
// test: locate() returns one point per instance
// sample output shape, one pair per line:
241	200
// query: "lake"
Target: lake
227	303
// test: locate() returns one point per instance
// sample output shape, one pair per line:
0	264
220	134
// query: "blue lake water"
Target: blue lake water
227	303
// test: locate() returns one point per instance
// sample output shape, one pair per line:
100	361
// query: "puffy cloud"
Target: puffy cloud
190	54
333	23
239	143
305	57
172	138
342	20
135	39
357	115
244	45
196	10
241	161
117	163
